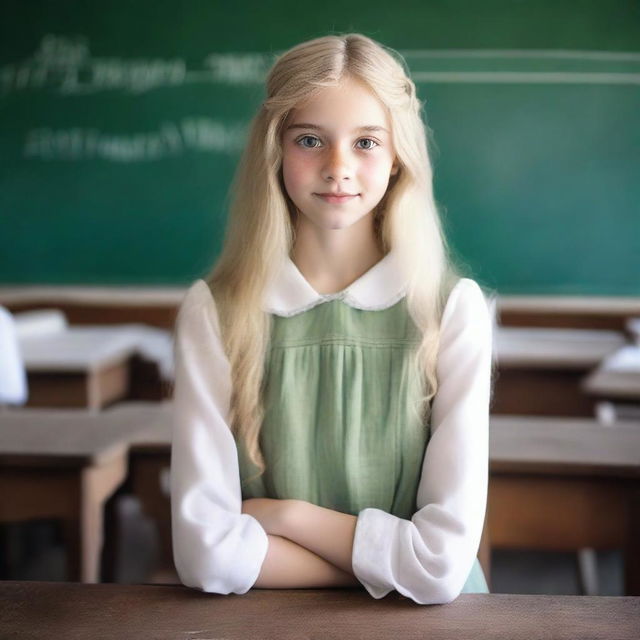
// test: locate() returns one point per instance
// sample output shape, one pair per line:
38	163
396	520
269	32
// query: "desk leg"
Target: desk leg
146	483
84	535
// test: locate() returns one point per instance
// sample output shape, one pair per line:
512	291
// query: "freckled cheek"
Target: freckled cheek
298	170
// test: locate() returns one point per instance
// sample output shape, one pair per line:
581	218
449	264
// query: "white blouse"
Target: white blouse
428	558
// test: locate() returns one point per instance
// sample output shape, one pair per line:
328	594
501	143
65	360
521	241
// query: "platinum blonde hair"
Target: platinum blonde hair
261	232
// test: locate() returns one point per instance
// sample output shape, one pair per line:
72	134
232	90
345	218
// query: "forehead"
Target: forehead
349	105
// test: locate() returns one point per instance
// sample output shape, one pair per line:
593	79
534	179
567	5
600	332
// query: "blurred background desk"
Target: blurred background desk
615	384
77	367
65	465
62	465
540	370
564	484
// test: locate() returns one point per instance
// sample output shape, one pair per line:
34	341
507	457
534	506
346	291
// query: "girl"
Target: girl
333	372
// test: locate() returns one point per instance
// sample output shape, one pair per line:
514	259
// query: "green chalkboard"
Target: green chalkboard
120	129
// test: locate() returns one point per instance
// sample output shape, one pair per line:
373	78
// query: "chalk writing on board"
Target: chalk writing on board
171	139
65	64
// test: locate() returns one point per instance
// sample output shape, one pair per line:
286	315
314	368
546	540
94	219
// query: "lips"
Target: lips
337	198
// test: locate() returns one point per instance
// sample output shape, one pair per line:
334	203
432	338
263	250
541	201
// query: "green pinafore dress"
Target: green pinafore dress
340	428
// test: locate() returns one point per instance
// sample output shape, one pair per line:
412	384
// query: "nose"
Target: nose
337	165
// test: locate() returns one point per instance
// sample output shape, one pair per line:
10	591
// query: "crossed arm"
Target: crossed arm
309	546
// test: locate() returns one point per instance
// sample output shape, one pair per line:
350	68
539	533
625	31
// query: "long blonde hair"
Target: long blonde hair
260	230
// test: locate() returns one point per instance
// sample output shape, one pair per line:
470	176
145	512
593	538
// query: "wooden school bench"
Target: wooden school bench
172	611
564	484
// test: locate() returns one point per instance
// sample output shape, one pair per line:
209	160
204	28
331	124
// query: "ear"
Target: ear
394	168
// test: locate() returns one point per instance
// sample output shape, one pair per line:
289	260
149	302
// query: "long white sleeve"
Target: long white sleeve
429	557
216	548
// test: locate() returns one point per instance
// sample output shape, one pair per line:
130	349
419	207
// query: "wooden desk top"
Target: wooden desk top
622	385
175	612
72	438
108	296
565	446
618	377
77	349
156	423
554	348
559	304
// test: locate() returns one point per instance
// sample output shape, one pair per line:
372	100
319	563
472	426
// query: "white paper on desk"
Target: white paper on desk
40	322
625	359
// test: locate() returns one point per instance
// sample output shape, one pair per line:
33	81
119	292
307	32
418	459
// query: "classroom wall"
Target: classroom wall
121	124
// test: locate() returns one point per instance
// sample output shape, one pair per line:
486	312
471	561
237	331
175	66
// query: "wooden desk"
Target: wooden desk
150	305
618	377
64	465
70	611
564	484
91	367
586	312
77	367
540	370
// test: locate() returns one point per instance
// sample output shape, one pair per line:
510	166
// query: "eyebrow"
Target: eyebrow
307	125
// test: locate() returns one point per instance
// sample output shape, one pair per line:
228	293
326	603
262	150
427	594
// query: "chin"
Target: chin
336	225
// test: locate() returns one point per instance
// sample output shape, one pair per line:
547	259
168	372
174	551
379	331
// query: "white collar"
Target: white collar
380	287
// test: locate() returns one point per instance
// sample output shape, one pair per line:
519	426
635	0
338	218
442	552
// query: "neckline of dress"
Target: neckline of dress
343	292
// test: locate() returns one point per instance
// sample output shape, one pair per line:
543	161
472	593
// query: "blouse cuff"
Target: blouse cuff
256	546
375	529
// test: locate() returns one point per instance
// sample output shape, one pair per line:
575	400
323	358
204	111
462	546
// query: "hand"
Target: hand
269	512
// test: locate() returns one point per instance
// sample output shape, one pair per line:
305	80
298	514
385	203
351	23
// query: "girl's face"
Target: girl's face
339	142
